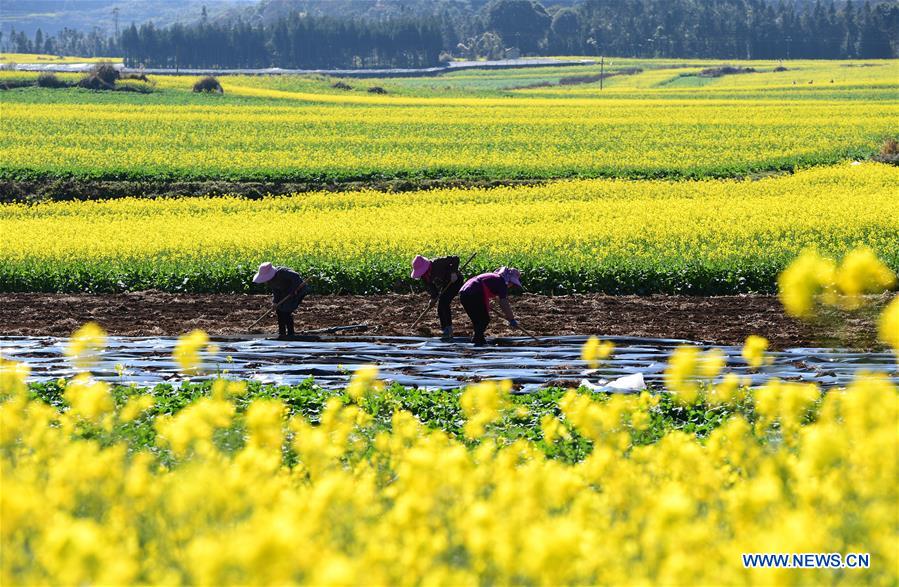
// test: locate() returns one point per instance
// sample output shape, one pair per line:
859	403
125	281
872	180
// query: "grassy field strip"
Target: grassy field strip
589	235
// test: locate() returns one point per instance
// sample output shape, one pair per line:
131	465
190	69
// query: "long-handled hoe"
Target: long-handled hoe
284	299
520	327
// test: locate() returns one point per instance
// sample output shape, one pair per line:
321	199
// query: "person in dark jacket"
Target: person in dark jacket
288	290
443	280
477	292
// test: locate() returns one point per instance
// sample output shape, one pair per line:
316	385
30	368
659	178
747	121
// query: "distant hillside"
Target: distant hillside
52	16
414	33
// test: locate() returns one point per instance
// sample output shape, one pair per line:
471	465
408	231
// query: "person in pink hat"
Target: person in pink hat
288	290
443	279
477	292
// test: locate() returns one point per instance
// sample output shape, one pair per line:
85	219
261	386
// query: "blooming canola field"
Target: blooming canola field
617	236
669	181
301	129
222	484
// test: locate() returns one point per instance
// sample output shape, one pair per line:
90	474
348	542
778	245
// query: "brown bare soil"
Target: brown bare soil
720	320
57	189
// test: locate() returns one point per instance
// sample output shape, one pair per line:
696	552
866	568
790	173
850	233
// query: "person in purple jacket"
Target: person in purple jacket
477	292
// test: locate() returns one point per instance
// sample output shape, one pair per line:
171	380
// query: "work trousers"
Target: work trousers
476	308
285	323
444	311
286	309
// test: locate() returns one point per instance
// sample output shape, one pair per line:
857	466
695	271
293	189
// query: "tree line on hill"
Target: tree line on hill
292	42
430	32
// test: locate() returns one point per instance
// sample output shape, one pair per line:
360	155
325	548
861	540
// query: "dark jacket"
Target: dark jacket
284	284
440	273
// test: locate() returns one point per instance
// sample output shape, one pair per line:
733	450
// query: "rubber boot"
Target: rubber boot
479	340
282	327
447	334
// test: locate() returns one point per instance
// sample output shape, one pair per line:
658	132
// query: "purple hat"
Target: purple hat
420	266
510	275
266	273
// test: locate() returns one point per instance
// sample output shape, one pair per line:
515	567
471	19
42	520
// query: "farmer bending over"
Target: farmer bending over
477	292
288	290
443	280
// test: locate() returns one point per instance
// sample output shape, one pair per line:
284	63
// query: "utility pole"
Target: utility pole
602	71
115	17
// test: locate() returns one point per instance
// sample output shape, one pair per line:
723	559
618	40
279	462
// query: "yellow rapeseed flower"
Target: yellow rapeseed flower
725	392
687	366
88	398
888	325
187	351
807	277
680	374
13	376
721	226
364	379
595	351
711	363
861	272
754	350
265	419
85	345
225	389
412	504
553	429
481	403
135	407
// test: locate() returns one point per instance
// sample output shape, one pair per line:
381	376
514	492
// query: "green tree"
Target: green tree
520	23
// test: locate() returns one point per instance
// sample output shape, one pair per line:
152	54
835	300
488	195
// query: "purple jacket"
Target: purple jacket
489	285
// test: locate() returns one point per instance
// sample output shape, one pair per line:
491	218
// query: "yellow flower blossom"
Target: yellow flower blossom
264	423
187	351
807	277
786	402
754	351
680	374
481	403
364	379
553	429
89	399
135	407
726	391
225	389
810	276
85	345
861	272
888	326
13	375
711	363
594	351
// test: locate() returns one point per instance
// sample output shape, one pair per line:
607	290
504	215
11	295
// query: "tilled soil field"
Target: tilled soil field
717	320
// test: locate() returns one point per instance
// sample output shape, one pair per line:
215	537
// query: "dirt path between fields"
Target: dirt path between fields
720	320
65	189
